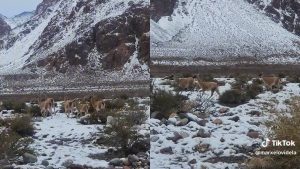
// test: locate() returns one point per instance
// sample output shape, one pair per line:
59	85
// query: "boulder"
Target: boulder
29	158
166	150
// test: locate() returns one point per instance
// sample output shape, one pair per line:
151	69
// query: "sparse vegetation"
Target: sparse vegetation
283	128
34	110
121	132
233	97
165	103
18	107
253	90
14	137
22	125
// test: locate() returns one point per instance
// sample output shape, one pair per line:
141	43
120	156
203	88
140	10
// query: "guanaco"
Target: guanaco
185	83
82	107
271	81
46	106
98	105
207	86
69	106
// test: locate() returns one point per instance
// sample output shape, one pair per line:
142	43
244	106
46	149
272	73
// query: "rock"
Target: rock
202	122
45	163
49	167
202	148
223	110
182	122
217	121
218	152
177	136
184	134
126	162
67	163
29	158
235	118
201	133
116	162
253	134
254	113
154	138
8	167
222	140
167	150
172	121
141	145
133	159
193	161
84	119
109	120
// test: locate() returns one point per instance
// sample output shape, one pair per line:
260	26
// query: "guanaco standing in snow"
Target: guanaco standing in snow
206	86
271	81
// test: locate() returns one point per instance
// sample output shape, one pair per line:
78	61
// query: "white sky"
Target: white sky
11	8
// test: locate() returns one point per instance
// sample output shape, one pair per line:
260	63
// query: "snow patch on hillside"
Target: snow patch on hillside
212	30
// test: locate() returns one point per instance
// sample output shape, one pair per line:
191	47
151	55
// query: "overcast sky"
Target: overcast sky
11	8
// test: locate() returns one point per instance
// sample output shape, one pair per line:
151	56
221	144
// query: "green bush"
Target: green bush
165	103
115	104
34	111
22	125
232	97
253	90
18	107
121	133
12	145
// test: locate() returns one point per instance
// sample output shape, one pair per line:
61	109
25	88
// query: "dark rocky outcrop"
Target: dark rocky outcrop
4	28
161	8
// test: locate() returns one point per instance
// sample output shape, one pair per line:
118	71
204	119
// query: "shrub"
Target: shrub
18	107
22	125
282	128
293	79
232	97
124	96
253	90
12	145
165	103
121	133
115	104
34	111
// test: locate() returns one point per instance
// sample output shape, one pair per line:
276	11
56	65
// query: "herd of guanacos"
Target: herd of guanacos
269	81
70	105
83	105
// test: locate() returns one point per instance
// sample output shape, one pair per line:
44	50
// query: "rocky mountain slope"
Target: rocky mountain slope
19	19
210	32
79	35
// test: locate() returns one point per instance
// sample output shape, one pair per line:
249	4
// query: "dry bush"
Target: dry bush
283	128
22	125
13	145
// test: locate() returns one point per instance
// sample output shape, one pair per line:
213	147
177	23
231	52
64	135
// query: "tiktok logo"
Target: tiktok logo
265	143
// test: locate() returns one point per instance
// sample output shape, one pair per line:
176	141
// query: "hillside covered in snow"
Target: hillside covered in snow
224	31
78	36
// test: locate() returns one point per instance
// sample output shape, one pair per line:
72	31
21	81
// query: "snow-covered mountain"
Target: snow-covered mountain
210	31
19	19
81	35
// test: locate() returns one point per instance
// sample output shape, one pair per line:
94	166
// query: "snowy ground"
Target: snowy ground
228	142
59	139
